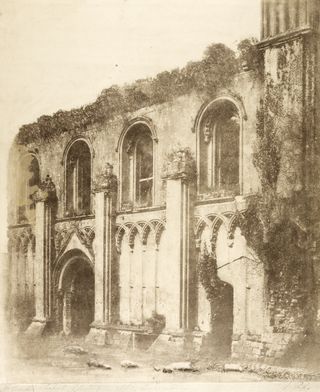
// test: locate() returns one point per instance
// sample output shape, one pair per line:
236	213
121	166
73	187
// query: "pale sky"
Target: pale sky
60	54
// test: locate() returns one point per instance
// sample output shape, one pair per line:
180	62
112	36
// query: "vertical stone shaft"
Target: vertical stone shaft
177	226
99	266
40	260
180	177
45	197
104	254
105	204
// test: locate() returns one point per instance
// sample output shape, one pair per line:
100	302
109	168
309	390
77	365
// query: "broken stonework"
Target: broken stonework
75	349
128	364
98	364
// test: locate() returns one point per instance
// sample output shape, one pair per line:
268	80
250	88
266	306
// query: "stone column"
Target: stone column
105	205
181	177
45	199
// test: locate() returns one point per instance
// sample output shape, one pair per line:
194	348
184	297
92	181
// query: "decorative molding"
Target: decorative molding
180	164
133	122
46	192
106	181
213	221
281	38
143	229
85	234
227	96
122	230
19	239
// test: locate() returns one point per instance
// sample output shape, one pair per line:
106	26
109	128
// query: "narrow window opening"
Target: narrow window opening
219	150
137	168
78	179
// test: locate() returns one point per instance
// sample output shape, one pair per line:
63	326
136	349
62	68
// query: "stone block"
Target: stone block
98	336
36	328
236	336
124	338
165	343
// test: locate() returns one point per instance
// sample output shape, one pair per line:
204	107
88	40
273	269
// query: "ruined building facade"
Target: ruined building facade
108	222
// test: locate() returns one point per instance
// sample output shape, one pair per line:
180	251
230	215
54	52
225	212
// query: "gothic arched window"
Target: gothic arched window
219	149
137	167
28	182
78	179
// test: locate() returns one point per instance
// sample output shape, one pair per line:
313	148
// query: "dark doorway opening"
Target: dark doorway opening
222	321
78	298
82	302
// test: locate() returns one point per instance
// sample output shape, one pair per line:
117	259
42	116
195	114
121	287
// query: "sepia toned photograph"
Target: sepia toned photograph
160	191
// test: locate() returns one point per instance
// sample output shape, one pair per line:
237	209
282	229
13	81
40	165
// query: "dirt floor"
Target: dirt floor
45	360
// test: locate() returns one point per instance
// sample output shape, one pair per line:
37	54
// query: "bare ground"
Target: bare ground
45	361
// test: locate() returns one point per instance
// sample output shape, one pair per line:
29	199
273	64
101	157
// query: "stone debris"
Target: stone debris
98	364
179	366
129	364
278	372
232	367
75	349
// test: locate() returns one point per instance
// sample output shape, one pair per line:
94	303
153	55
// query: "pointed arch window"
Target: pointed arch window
137	168
78	179
219	149
28	182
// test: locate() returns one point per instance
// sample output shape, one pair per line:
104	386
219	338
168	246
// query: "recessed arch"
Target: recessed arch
27	184
73	279
207	105
74	140
78	163
136	121
137	164
66	260
219	138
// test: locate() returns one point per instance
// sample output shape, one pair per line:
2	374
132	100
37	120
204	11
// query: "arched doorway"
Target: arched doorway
76	296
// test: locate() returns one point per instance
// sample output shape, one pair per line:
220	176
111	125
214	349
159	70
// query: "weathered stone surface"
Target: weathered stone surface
98	364
36	328
232	367
179	366
128	364
75	349
98	336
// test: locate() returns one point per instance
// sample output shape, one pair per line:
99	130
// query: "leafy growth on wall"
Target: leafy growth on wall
217	69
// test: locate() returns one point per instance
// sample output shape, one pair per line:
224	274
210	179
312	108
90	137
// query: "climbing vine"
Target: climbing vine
208	277
276	223
216	69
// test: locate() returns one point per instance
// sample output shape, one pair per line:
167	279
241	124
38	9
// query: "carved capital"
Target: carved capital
106	181
180	164
46	191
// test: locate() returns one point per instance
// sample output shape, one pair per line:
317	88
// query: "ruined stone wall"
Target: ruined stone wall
173	122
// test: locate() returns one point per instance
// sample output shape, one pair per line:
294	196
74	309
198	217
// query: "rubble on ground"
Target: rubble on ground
98	364
232	367
128	364
179	366
75	349
277	372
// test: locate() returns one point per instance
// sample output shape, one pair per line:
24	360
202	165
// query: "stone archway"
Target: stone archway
76	295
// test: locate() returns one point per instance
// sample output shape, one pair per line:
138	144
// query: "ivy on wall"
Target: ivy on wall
277	222
217	69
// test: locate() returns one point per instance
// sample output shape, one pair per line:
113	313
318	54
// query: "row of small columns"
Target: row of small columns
279	16
178	200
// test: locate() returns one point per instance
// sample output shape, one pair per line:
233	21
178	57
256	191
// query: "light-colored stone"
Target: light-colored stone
128	364
232	367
